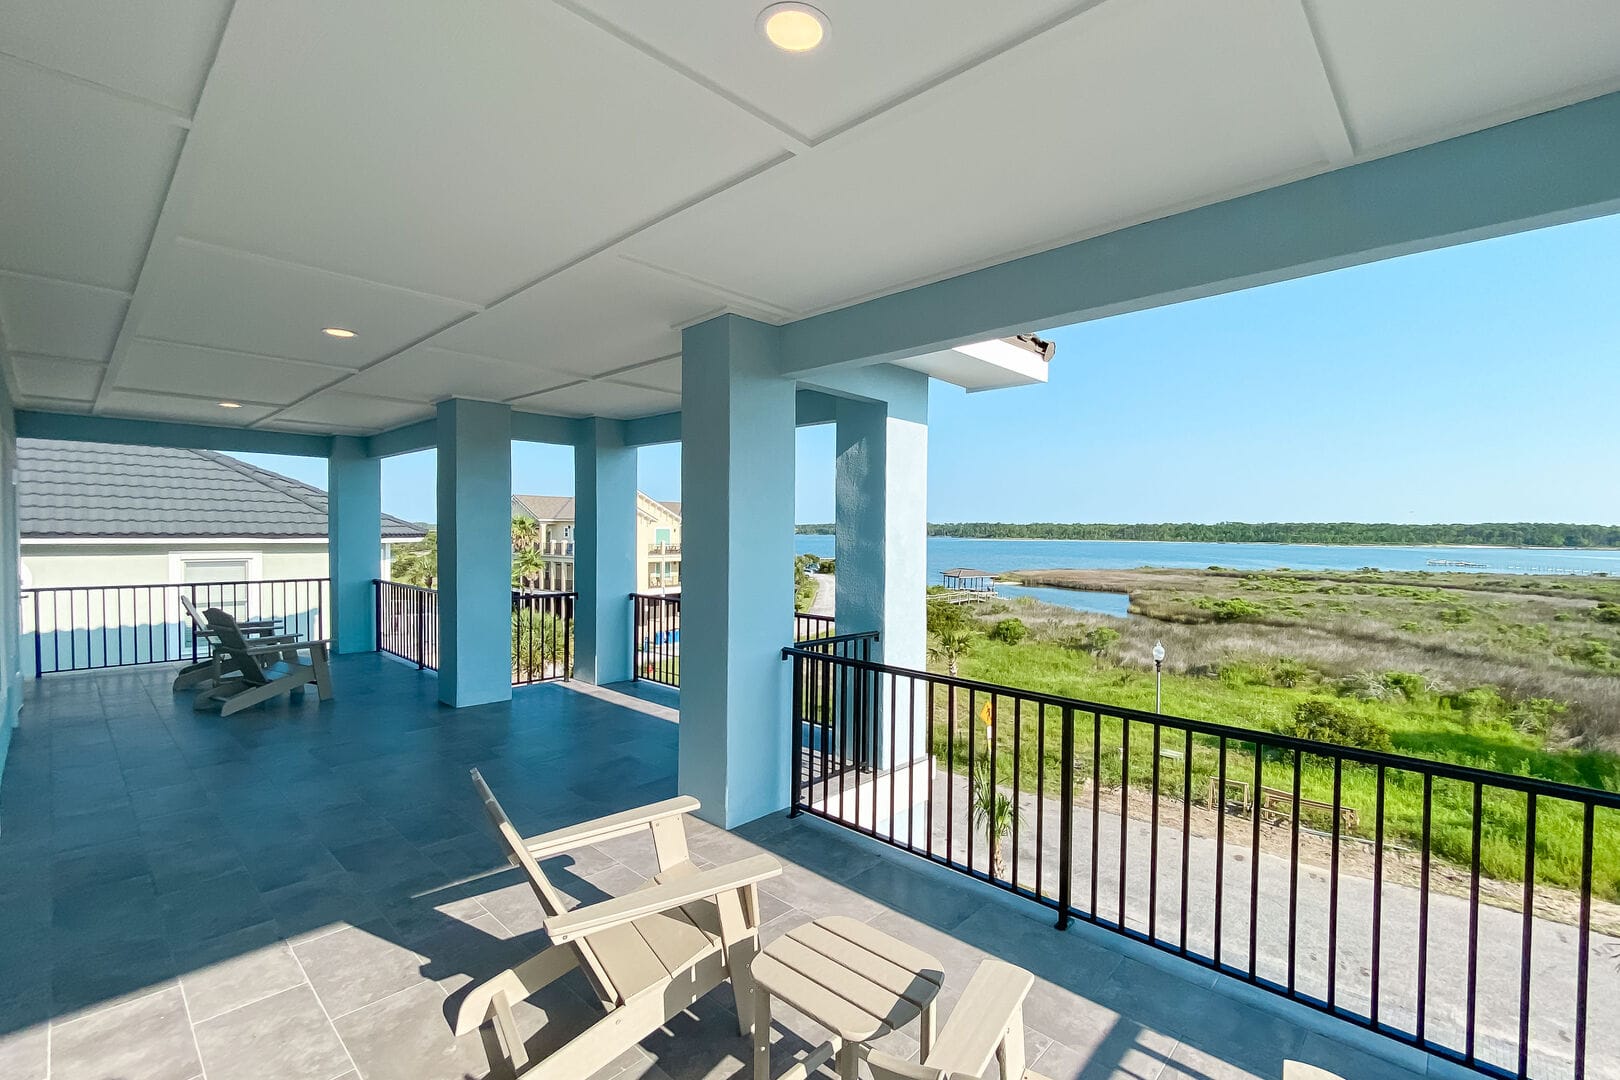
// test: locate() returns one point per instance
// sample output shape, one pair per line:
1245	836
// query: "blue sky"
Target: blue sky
1477	383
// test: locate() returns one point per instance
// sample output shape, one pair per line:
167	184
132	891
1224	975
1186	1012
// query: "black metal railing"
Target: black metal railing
1446	907
408	622
86	627
542	630
655	638
542	636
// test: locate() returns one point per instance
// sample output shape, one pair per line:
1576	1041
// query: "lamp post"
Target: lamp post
1158	676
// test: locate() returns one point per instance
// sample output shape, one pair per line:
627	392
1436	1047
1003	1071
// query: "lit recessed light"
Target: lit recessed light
794	28
337	332
230	404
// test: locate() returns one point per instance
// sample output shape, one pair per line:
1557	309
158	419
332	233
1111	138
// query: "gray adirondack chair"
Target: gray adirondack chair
647	955
207	670
263	671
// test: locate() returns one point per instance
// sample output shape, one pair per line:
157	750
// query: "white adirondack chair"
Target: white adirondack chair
1298	1070
647	955
988	1022
263	671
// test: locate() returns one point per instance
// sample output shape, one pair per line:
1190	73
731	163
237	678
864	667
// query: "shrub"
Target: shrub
1365	686
1412	627
944	618
1327	721
1608	613
1591	652
1405	683
1479	703
1535	716
1456	616
1009	631
1099	639
1231	610
1289	673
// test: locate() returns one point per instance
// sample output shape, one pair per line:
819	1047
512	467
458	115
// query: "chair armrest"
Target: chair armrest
584	921
806	1067
888	1067
545	845
988	1006
286	646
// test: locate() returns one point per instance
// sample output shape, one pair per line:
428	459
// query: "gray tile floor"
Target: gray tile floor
303	890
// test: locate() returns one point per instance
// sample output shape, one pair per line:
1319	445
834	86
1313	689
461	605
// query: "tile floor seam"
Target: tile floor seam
191	1026
110	1006
336	1034
245	1004
334	1017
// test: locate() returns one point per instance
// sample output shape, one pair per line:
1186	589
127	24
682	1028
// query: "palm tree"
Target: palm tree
525	533
994	812
527	566
418	563
950	645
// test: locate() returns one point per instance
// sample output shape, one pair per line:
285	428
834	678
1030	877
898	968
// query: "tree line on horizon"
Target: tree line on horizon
1489	534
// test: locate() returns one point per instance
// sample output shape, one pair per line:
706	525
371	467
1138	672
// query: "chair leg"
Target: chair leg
322	671
741	943
1011	1052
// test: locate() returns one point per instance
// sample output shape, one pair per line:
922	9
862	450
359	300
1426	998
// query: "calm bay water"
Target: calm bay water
998	556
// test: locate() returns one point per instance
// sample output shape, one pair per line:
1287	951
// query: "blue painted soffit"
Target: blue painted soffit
1556	167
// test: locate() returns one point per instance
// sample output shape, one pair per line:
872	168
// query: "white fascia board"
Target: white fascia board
982	365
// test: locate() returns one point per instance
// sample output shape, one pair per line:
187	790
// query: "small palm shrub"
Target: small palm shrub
993	811
1322	720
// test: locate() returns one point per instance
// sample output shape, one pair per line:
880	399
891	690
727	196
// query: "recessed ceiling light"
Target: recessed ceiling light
230	404
794	28
337	332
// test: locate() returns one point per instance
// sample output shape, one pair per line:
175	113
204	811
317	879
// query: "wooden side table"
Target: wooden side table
856	981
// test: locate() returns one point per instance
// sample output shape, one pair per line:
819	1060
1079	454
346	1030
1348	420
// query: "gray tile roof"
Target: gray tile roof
75	489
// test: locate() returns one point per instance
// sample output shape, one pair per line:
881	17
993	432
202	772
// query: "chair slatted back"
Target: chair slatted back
197	619
551	901
235	647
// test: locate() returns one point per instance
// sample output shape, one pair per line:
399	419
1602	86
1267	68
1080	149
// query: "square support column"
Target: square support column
354	542
604	550
737	477
475	552
882	518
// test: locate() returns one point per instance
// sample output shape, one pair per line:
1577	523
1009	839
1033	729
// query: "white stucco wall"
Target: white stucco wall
51	565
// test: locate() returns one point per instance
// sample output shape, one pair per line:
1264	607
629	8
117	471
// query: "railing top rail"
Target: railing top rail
403	585
173	584
836	639
542	594
675	599
1441	769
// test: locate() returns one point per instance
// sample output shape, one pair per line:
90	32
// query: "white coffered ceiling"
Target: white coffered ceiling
525	200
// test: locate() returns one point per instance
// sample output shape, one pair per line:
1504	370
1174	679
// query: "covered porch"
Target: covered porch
303	890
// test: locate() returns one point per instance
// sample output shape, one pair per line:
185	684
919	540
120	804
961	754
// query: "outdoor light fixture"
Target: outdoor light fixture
1158	676
337	332
230	404
794	28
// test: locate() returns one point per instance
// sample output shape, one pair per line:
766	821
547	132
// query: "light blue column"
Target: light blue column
737	475
354	542
475	552
882	518
604	550
11	639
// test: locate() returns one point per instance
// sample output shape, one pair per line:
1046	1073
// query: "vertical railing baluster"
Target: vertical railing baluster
1066	822
1153	841
1254	858
1473	926
1293	877
1423	910
1220	845
797	734
1186	831
1378	895
1096	803
1333	888
1583	940
1526	936
1124	812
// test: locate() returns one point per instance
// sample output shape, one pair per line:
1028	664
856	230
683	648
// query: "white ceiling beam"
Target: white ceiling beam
1302	49
28	275
176	201
167	113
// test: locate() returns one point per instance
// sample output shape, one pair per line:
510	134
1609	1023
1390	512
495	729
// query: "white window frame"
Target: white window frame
178	560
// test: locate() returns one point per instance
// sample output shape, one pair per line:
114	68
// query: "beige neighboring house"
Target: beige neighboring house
95	514
658	540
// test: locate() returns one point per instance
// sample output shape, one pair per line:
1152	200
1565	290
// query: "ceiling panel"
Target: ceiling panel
1413	72
205	295
664	375
53	377
1160	104
56	319
355	411
81	202
428	374
158	50
603	314
874	54
460	149
600	399
188	369
170	407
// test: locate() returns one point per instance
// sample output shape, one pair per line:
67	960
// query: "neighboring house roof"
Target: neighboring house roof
544	507
561	507
94	490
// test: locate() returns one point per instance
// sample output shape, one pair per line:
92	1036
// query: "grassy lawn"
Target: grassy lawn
1442	704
